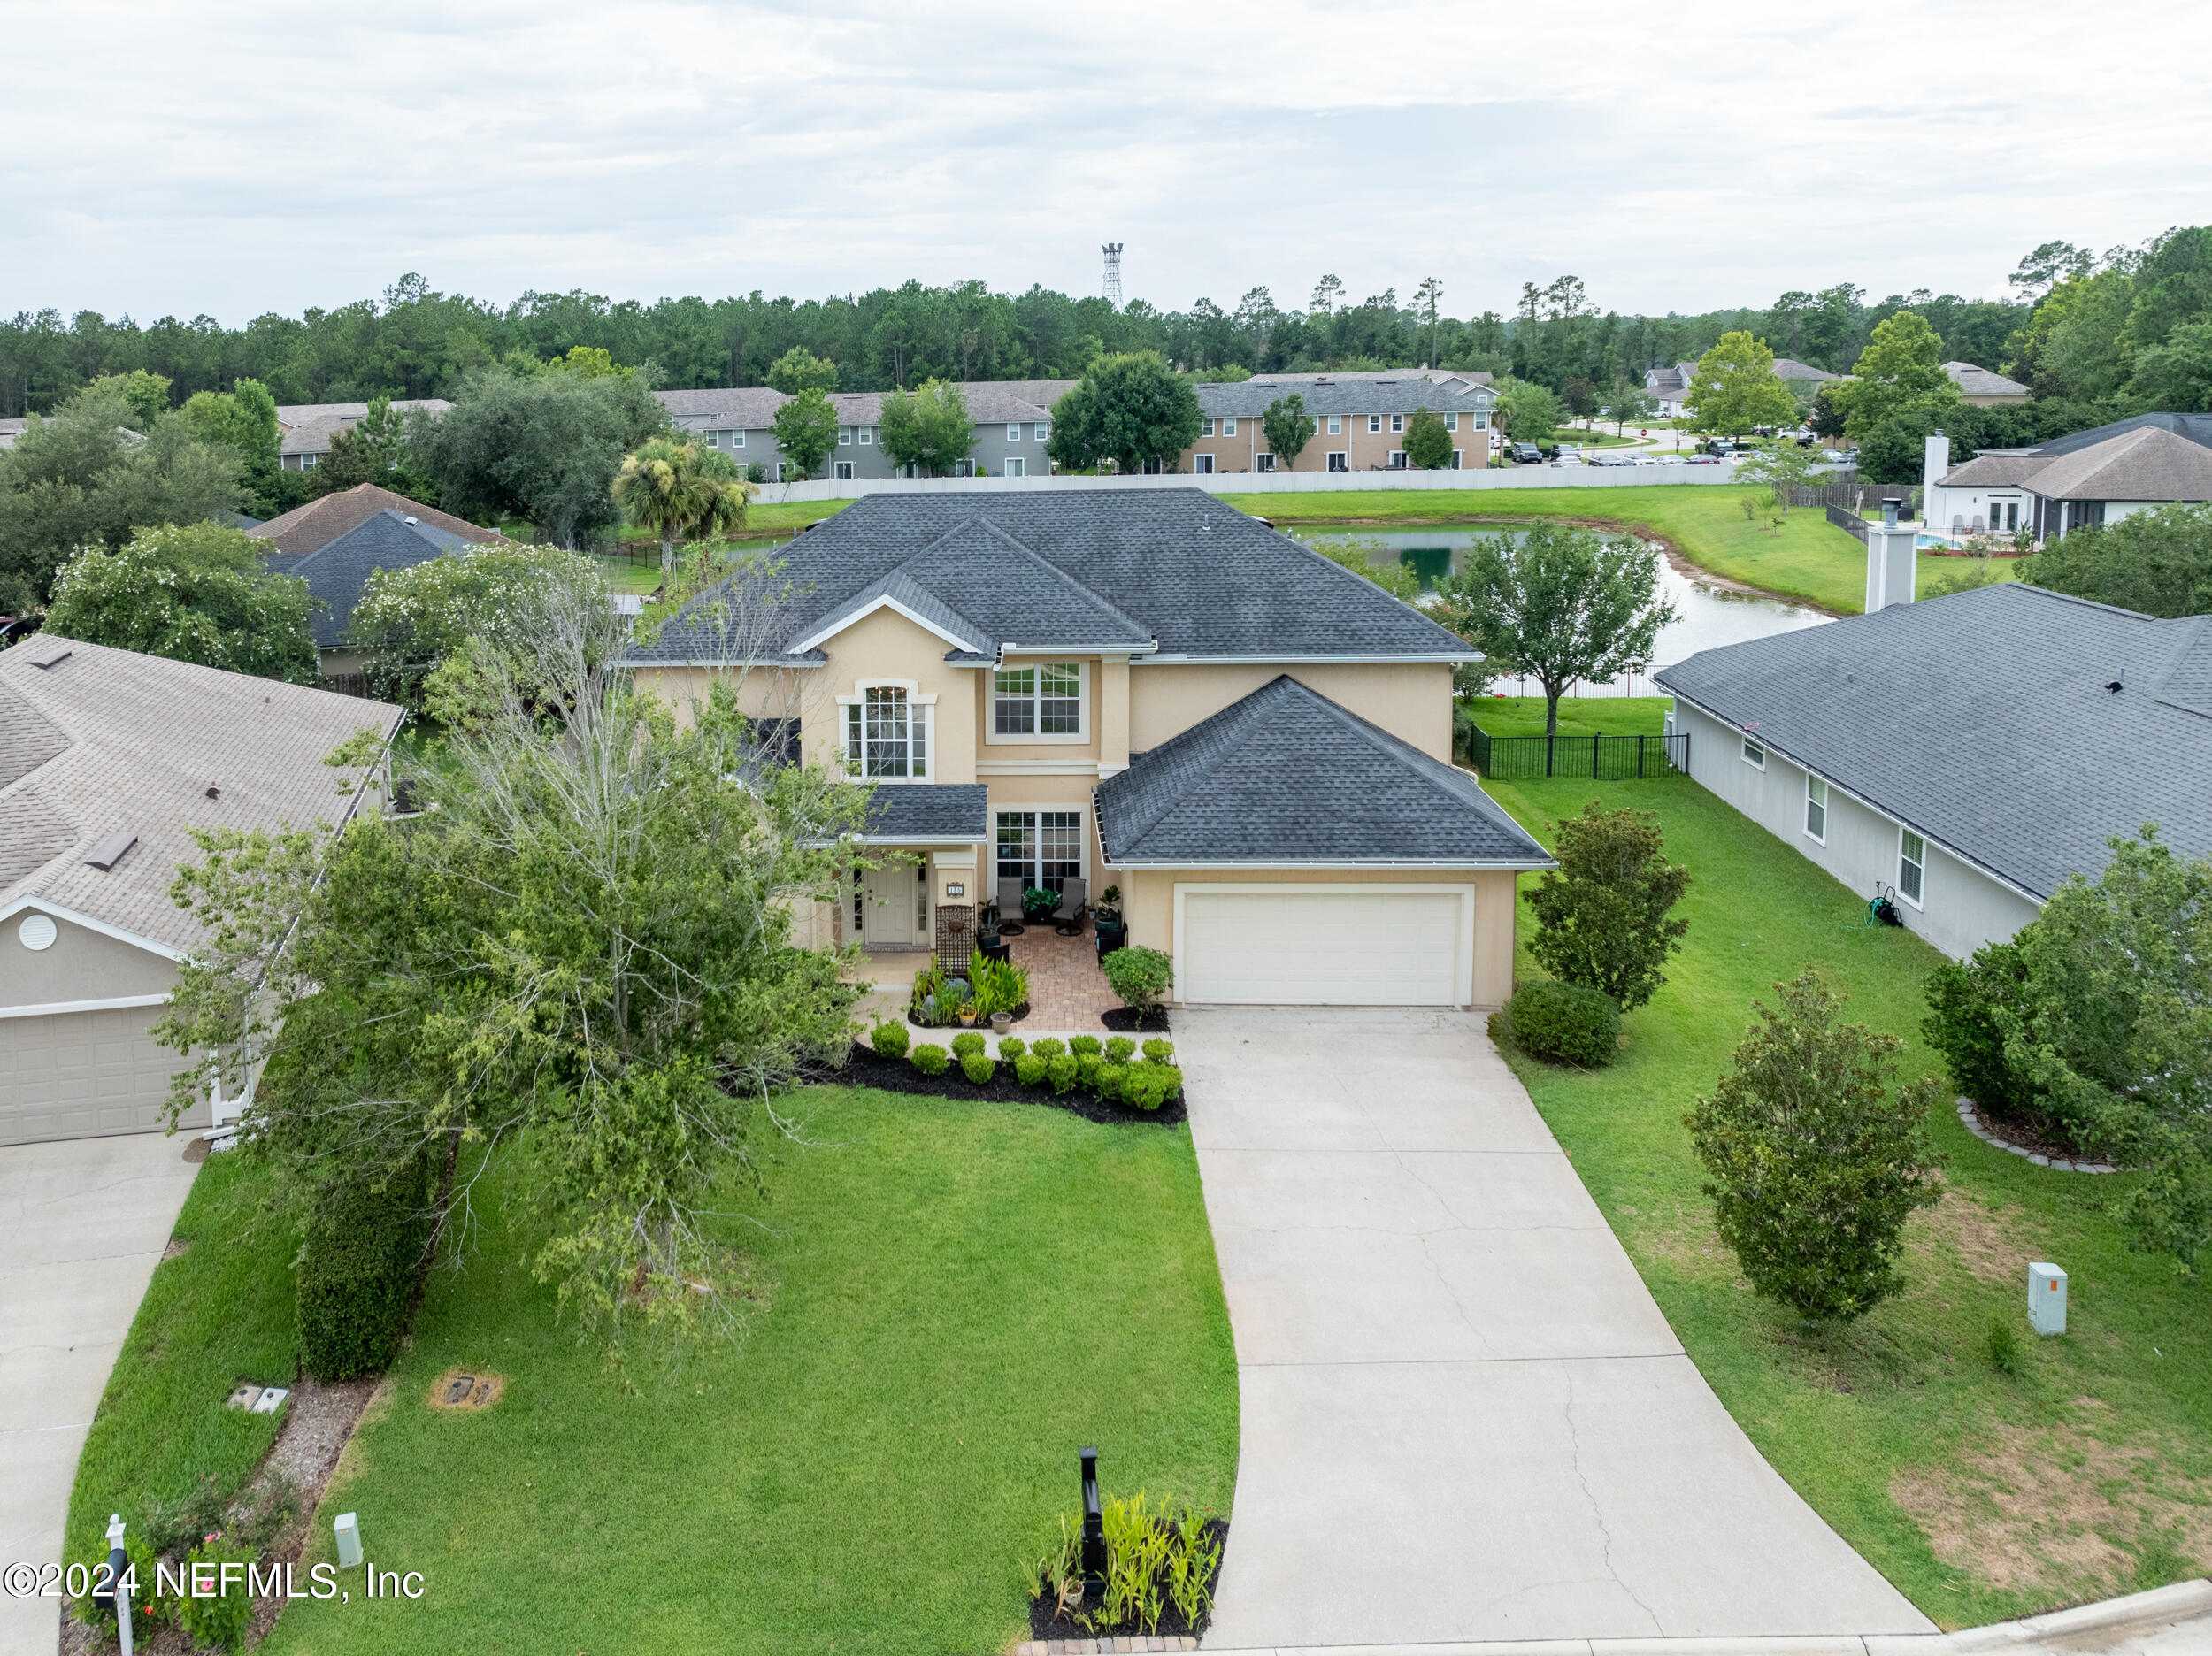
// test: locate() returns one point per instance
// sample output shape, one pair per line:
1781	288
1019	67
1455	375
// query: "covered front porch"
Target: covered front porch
1068	993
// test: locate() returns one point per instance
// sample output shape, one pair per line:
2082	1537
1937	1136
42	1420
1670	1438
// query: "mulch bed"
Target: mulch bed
2041	1134
870	1069
1044	1622
1123	1020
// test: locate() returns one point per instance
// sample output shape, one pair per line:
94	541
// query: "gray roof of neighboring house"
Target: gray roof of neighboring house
1790	368
744	408
308	427
338	573
10	430
2146	463
1376	393
1287	776
753	407
913	812
1994	470
110	741
1083	569
1973	380
311	528
1983	721
2196	427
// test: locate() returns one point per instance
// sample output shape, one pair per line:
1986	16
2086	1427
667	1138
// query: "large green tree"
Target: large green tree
806	431
929	429
1565	605
1130	409
1288	428
1900	373
1737	389
681	488
799	369
2159	562
242	420
1529	412
1428	445
193	592
414	619
543	447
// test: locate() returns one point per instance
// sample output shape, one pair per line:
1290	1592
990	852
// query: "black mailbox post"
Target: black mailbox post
1093	1532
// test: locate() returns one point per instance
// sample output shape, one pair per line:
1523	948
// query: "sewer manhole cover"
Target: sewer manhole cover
466	1389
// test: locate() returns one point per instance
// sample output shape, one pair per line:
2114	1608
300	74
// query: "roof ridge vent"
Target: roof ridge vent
47	664
109	851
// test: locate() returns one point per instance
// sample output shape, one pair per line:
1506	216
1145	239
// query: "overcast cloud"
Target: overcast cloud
234	158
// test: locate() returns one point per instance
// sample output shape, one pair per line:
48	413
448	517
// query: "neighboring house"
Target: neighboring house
10	430
1359	420
1971	751
304	429
337	573
1150	691
2093	477
1983	388
313	526
1013	420
1669	388
107	760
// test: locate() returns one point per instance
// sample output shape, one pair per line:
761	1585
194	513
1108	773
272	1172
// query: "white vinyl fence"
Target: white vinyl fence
1263	482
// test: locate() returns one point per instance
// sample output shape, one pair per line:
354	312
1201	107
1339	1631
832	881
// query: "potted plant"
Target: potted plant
1106	920
1038	904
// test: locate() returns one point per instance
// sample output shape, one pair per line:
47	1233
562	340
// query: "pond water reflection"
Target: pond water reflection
1707	615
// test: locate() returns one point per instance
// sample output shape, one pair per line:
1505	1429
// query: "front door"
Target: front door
893	907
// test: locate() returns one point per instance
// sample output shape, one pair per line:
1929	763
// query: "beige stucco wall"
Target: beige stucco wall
80	964
1149	903
1364	450
1411	699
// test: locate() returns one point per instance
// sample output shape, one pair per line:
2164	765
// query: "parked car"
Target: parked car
1702	459
1612	460
1670	459
1645	460
1527	454
1568	458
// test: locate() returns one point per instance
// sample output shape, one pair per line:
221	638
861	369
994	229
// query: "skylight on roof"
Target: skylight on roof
109	851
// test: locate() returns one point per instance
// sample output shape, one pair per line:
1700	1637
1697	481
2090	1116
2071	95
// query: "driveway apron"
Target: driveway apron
82	1225
1464	1415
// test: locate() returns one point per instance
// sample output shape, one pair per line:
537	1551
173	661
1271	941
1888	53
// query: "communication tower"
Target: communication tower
1112	250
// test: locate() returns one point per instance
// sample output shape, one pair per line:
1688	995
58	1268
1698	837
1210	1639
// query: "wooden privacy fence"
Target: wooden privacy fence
1598	758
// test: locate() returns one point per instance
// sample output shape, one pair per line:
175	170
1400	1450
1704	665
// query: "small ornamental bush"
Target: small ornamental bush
221	1620
967	1041
889	1040
1061	1072
1816	1156
1087	1067
356	1277
1047	1046
976	1067
1081	1045
1140	977
1147	1085
1561	1022
1602	913
1012	1047
1118	1050
1029	1069
931	1059
1110	1080
1159	1051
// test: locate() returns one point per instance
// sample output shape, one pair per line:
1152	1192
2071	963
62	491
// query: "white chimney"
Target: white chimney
1935	460
1892	558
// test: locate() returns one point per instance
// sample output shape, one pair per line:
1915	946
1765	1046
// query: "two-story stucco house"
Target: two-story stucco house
1150	691
1013	422
1359	420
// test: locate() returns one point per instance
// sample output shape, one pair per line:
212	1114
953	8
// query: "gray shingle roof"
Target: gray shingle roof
752	407
2196	427
338	574
2145	464
1399	394
1287	776
311	528
915	812
1085	568
1974	380
1982	720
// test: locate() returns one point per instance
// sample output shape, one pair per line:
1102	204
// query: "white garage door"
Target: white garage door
84	1075
1293	945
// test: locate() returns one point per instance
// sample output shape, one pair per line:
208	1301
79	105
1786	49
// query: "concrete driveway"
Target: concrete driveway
1464	1416
82	1225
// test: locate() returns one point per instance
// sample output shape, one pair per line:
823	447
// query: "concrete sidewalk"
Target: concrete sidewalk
82	1225
1464	1417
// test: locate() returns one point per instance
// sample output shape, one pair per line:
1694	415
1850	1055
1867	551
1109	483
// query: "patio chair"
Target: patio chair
1009	908
1067	919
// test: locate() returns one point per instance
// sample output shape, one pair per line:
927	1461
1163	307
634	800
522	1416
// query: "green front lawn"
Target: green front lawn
1981	1497
955	1297
1579	716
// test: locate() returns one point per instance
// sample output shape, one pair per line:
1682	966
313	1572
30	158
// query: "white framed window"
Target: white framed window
1336	425
1912	865
1202	465
867	435
1039	847
1397	461
1374	424
1263	461
714	441
1340	460
1397	423
1015	466
1040	703
737	439
844	471
844	436
1482	420
1229	427
1454	459
1754	754
887	734
308	463
1815	809
1205	428
1044	430
1013	431
1451	422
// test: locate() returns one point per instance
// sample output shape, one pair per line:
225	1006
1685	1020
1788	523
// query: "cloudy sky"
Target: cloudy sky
234	158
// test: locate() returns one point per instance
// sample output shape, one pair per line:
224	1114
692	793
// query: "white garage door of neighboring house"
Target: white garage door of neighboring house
84	1075
1324	945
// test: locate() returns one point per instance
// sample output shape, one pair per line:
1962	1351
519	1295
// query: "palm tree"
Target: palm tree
681	489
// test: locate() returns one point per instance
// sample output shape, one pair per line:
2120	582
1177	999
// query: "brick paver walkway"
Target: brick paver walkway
1066	989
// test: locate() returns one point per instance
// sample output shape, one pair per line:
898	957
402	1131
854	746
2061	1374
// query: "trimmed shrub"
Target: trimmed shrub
1061	1072
1141	979
356	1276
1111	1078
1029	1069
1603	914
1087	1067
976	1067
1047	1046
1963	1003
1012	1047
1560	1023
1119	1049
1083	1045
931	1059
889	1040
967	1041
1146	1085
1159	1051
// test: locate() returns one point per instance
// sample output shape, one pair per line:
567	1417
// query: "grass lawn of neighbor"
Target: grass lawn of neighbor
953	1298
1808	557
1579	716
1981	1497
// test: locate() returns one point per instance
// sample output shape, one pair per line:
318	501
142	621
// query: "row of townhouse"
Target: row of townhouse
1013	422
1359	420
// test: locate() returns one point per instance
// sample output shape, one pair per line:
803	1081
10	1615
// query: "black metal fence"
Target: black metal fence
1600	758
1847	520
